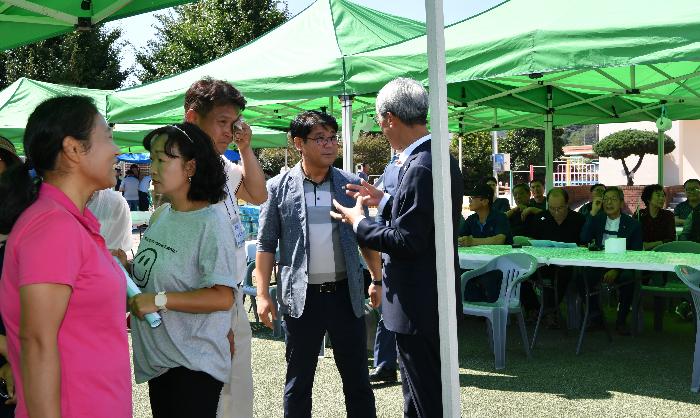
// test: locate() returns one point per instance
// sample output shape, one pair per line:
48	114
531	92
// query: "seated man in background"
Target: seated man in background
517	214
658	224
599	229
596	190
485	226
538	199
500	204
557	223
692	201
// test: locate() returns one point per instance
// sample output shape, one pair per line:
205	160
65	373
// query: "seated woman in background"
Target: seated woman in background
186	270
658	224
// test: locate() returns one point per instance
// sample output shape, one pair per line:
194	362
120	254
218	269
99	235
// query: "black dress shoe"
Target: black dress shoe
381	374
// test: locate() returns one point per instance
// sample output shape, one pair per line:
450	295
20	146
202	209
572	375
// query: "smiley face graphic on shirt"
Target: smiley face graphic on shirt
143	265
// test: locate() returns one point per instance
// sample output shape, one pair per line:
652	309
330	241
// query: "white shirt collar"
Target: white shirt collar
403	156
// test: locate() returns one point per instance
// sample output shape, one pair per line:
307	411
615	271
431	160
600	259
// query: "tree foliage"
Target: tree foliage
83	59
526	146
476	157
197	33
622	144
373	149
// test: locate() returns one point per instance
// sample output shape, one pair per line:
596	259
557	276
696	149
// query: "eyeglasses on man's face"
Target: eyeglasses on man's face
326	140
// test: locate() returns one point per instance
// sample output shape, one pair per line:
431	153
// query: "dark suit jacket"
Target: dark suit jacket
629	228
409	301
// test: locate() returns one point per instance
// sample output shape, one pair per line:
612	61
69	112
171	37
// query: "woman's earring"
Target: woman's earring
189	179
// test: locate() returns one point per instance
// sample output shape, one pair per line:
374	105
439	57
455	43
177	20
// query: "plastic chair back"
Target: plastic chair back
248	279
515	267
521	240
679	247
691	278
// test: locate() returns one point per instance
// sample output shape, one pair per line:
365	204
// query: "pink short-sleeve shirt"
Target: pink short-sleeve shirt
52	242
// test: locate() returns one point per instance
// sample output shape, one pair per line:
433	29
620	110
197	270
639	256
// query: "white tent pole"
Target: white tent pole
449	365
660	159
347	133
286	157
549	142
460	152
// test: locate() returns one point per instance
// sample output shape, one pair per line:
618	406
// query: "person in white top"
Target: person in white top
112	211
215	106
130	190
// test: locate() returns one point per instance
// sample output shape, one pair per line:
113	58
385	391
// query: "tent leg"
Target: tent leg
347	133
286	157
549	142
460	152
449	364
660	158
494	148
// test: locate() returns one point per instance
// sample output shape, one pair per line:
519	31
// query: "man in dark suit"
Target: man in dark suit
614	224
410	279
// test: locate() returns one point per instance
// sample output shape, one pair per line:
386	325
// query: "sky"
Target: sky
139	29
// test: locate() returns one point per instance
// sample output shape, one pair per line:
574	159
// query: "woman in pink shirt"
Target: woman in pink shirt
61	290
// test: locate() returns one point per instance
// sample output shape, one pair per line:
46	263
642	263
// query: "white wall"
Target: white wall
679	165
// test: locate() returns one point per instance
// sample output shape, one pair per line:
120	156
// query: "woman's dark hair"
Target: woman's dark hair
48	125
9	158
488	179
649	191
192	143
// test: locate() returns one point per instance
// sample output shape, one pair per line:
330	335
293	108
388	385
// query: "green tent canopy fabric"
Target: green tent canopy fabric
23	22
598	61
298	65
18	101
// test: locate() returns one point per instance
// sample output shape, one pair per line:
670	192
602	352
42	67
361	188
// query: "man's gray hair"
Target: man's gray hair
406	99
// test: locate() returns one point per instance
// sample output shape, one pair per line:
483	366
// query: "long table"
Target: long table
474	257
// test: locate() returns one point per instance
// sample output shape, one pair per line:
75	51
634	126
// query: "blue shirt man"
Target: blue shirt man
485	226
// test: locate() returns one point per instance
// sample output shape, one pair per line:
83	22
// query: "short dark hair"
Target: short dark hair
593	187
192	143
649	191
491	178
537	180
48	125
617	190
304	123
558	191
207	93
690	181
521	186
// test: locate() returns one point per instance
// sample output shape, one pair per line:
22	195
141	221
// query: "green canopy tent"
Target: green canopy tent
18	100
23	22
558	63
297	66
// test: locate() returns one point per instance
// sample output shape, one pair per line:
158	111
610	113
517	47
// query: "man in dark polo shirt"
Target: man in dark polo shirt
557	223
538	199
519	213
484	227
686	207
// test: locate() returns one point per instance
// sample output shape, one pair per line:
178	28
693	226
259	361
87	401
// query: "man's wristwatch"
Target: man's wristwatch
377	282
161	301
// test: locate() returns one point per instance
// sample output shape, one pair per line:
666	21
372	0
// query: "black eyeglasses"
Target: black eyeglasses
324	140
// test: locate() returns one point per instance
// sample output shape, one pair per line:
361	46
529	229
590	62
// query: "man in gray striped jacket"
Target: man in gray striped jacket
320	282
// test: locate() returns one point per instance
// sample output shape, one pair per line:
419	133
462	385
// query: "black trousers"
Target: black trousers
419	361
144	201
331	312
184	393
594	276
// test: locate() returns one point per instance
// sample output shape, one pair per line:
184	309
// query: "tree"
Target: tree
372	148
526	147
83	59
622	144
476	157
197	33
